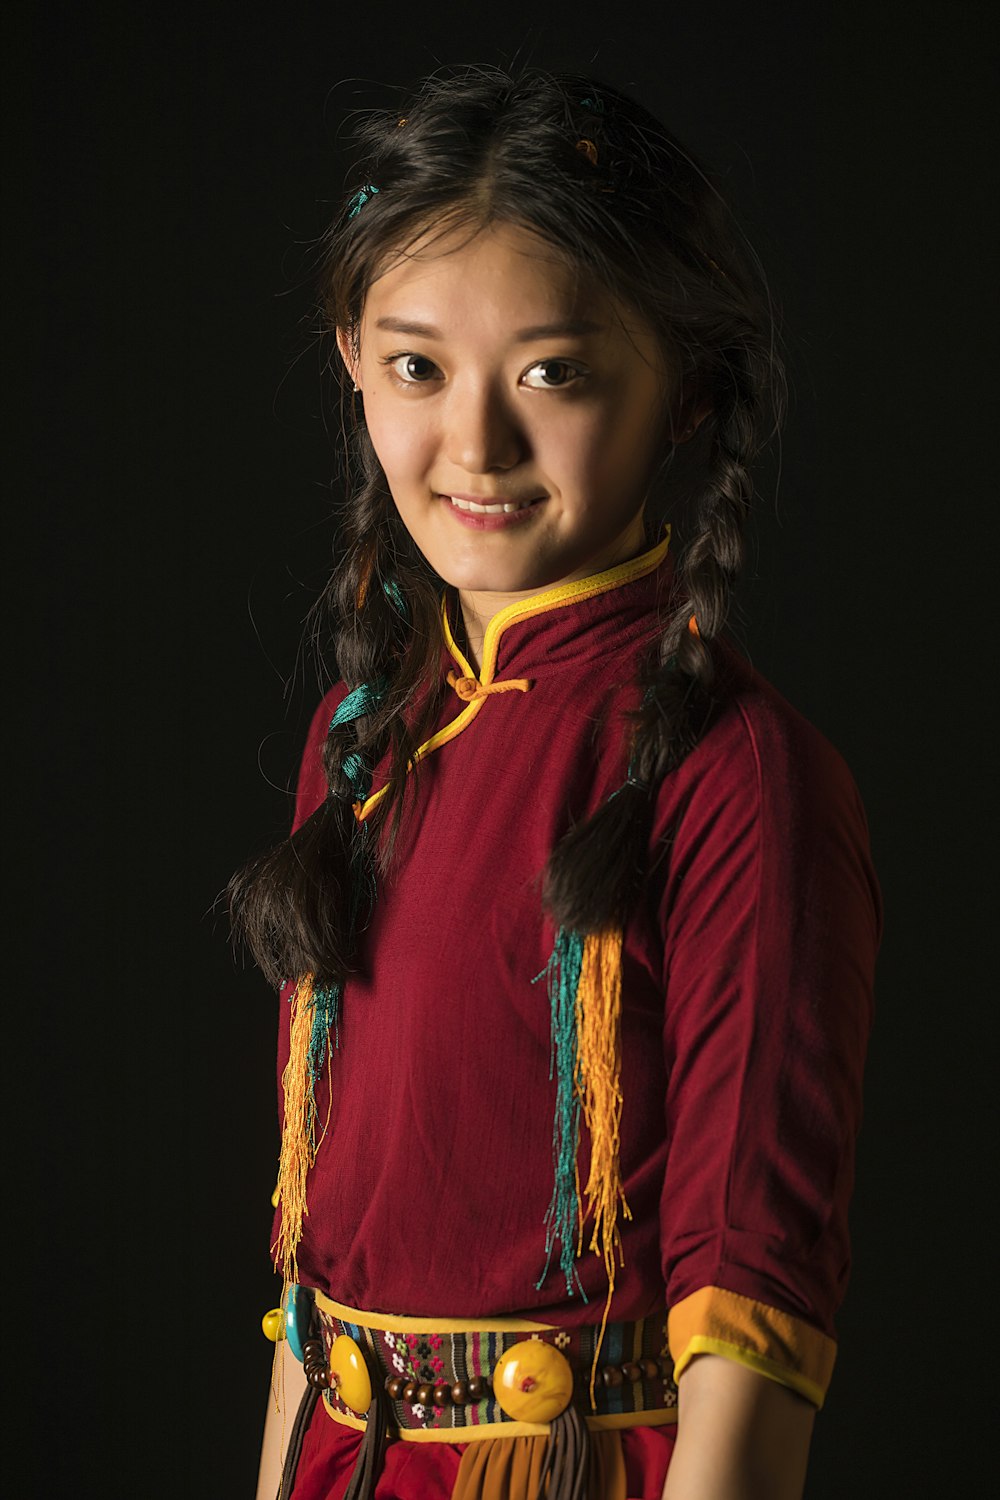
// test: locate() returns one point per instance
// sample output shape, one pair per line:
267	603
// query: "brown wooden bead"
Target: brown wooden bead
442	1395
318	1379
612	1375
632	1371
313	1348
394	1386
409	1390
478	1389
460	1393
650	1368
425	1393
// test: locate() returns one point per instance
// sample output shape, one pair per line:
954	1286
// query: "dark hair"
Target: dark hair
637	212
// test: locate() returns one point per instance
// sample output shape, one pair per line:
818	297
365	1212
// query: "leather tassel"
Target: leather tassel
566	1473
368	1465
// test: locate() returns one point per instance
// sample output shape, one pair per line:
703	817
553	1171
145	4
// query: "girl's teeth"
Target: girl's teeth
487	510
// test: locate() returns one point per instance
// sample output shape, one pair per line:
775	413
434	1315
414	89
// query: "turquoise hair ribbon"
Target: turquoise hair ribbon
361	198
364	699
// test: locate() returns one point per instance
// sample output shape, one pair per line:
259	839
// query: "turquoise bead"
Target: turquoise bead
298	1318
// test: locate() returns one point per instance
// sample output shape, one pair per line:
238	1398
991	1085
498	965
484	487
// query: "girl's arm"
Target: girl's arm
740	1436
288	1385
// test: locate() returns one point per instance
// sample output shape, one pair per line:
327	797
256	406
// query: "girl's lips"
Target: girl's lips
493	519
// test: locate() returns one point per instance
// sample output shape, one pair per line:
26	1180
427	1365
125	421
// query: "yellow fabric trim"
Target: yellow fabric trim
468	670
659	1417
567	593
389	1323
787	1349
435	742
523	609
756	1362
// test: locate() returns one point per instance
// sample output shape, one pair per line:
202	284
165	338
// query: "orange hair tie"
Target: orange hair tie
693	627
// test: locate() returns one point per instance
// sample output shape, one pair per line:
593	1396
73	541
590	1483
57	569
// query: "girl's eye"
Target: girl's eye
411	369
550	374
555	373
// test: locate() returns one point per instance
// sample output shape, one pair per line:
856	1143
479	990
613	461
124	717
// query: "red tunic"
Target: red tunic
747	992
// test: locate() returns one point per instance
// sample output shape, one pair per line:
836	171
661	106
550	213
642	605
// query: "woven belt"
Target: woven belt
439	1376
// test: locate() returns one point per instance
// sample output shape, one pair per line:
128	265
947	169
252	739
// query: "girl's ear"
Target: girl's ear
691	417
348	356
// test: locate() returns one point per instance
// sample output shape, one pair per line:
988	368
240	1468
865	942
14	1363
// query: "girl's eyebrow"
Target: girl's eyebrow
572	328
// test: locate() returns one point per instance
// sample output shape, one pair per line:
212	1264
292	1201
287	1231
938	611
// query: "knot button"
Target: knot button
469	689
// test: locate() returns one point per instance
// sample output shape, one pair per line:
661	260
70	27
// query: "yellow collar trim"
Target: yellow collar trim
554	598
512	614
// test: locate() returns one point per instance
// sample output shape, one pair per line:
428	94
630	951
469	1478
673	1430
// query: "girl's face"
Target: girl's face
492	377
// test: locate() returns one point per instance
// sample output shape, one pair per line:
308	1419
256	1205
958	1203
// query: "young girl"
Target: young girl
577	926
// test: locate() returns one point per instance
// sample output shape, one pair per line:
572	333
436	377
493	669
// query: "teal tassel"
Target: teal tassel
326	1014
562	1219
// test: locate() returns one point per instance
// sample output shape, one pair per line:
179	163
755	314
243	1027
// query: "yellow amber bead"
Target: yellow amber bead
533	1382
275	1195
349	1375
273	1324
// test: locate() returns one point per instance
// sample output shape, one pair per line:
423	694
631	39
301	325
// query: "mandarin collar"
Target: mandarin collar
572	623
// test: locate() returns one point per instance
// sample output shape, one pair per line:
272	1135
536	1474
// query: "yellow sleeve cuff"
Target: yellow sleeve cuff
785	1349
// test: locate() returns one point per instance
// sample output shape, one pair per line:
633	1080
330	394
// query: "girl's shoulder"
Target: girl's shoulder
765	814
763	755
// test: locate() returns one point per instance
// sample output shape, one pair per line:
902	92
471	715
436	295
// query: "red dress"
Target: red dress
747	992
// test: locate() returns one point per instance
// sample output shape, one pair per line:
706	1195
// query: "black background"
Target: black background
169	171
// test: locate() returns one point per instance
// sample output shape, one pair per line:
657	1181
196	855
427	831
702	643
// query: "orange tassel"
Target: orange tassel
298	1134
598	1024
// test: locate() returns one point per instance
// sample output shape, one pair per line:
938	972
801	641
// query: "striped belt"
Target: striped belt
461	1380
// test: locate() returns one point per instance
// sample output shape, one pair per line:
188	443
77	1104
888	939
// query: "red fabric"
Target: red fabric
748	975
426	1471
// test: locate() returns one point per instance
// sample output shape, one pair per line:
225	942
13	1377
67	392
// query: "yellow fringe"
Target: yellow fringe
598	1031
298	1140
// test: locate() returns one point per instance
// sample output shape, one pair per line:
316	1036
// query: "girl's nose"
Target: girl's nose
483	431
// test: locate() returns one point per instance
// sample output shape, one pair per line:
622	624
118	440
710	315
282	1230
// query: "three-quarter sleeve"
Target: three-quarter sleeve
771	918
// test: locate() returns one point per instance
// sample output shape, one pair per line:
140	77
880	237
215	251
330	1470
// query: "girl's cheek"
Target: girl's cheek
394	444
396	432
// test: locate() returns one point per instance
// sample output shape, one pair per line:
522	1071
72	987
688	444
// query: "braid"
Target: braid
297	906
595	872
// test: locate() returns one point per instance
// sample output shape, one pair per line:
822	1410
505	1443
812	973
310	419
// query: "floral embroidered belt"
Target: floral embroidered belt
457	1381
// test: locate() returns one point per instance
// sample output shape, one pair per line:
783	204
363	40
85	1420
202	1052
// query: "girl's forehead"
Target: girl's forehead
508	262
502	276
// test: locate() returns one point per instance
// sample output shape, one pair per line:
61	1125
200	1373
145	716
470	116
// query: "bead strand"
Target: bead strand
424	1393
314	1364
